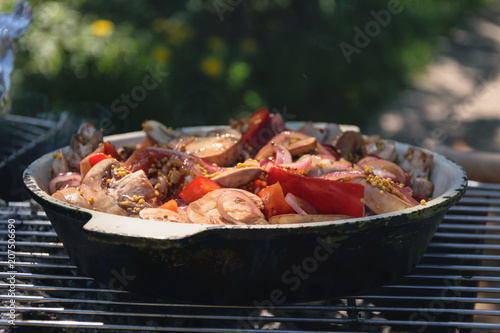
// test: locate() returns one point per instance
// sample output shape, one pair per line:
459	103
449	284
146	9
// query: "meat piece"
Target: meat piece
160	214
130	186
422	188
72	196
325	134
374	145
94	187
110	188
205	211
60	164
159	134
417	163
84	142
348	143
222	147
236	177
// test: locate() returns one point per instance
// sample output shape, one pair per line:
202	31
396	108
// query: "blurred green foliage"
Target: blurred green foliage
225	58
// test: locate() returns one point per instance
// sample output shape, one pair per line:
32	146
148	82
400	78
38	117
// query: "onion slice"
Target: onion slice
405	193
301	164
235	194
300	205
277	123
63	180
385	167
283	155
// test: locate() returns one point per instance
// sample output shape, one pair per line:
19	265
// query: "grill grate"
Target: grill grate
455	288
23	139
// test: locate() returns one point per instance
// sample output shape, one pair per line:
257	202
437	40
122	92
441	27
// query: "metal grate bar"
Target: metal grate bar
336	308
37	255
469	209
456	235
465	246
462	256
38	265
31	233
36	245
472	218
462	268
461	227
21	275
47	288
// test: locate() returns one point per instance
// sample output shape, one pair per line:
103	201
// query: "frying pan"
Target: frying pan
239	265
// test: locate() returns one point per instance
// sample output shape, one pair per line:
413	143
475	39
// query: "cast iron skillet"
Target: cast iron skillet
259	265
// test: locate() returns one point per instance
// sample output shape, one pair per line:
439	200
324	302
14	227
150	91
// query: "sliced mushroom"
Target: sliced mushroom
309	218
303	146
236	177
348	143
205	210
72	196
161	214
296	143
222	146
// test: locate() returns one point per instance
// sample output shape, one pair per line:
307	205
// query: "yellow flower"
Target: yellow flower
211	67
102	28
179	31
161	53
159	24
249	45
216	43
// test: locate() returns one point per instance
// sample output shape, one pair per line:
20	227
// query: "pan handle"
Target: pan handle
480	166
124	226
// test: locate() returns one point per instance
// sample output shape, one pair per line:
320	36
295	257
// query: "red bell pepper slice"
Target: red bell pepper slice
327	196
258	123
96	158
198	188
110	150
274	201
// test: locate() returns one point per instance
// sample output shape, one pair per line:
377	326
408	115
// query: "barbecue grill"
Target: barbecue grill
22	140
455	288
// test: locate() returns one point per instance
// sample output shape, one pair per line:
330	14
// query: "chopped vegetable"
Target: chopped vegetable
274	201
94	159
198	188
327	196
170	205
259	129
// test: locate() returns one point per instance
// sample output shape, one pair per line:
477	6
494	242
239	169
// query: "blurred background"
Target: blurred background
204	62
